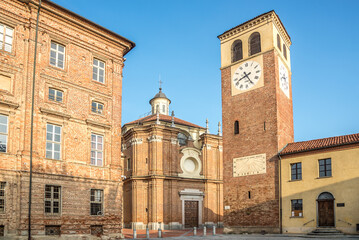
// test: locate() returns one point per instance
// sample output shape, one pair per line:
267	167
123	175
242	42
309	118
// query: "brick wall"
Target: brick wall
83	42
266	104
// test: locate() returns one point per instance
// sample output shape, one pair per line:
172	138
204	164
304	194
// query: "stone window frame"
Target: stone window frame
57	52
96	68
55	97
53	200
296	212
53	141
297	174
93	200
3	35
95	107
6	133
2	197
95	150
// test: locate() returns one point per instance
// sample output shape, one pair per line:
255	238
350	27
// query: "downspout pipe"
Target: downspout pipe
280	191
32	119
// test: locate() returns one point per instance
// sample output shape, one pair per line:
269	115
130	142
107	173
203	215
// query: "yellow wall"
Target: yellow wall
343	185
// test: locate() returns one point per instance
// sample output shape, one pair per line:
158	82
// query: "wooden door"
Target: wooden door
326	213
191	214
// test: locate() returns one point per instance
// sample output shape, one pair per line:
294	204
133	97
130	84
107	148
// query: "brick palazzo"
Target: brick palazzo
77	186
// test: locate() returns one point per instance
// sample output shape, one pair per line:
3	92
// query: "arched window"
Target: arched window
237	51
278	43
254	43
325	196
236	127
284	51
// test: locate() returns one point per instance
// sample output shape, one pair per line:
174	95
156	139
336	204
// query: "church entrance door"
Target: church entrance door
325	210
191	214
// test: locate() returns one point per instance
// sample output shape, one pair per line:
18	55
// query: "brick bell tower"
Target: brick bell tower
257	121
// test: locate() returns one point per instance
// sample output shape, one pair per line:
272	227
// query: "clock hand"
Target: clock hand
246	75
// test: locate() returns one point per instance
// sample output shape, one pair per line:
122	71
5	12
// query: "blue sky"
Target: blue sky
178	40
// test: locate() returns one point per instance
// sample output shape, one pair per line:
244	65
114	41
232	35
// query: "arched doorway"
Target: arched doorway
325	210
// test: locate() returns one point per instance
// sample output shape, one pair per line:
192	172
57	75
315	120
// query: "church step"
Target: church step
326	231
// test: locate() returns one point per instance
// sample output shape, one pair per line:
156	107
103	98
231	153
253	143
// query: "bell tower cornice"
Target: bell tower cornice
270	16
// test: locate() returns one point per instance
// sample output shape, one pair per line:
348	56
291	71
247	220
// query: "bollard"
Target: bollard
204	231
214	230
159	233
134	234
194	231
147	233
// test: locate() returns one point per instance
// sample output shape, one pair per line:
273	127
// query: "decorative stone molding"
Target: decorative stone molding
56	113
192	195
190	163
208	146
104	125
155	138
135	141
174	141
10	104
271	16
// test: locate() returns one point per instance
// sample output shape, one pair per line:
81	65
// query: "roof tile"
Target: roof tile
320	143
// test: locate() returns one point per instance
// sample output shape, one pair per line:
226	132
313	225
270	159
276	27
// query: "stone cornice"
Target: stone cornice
56	113
104	125
9	103
266	17
155	138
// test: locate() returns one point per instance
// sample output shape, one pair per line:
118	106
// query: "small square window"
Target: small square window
57	55
96	230
98	71
97	107
52	230
297	207
55	95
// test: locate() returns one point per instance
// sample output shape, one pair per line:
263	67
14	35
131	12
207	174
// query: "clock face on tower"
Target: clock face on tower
283	78
247	75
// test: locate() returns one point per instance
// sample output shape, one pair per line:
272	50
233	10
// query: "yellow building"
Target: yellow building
320	185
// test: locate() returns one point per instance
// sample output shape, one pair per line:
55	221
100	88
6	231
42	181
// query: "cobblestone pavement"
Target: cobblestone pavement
187	234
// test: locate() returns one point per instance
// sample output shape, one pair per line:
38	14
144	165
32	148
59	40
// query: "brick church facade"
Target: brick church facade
173	171
77	122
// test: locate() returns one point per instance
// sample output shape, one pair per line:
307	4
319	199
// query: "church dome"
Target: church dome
160	94
160	103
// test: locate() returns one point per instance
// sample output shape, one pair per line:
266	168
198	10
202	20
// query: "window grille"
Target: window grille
2	197
52	230
297	208
52	199
96	202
